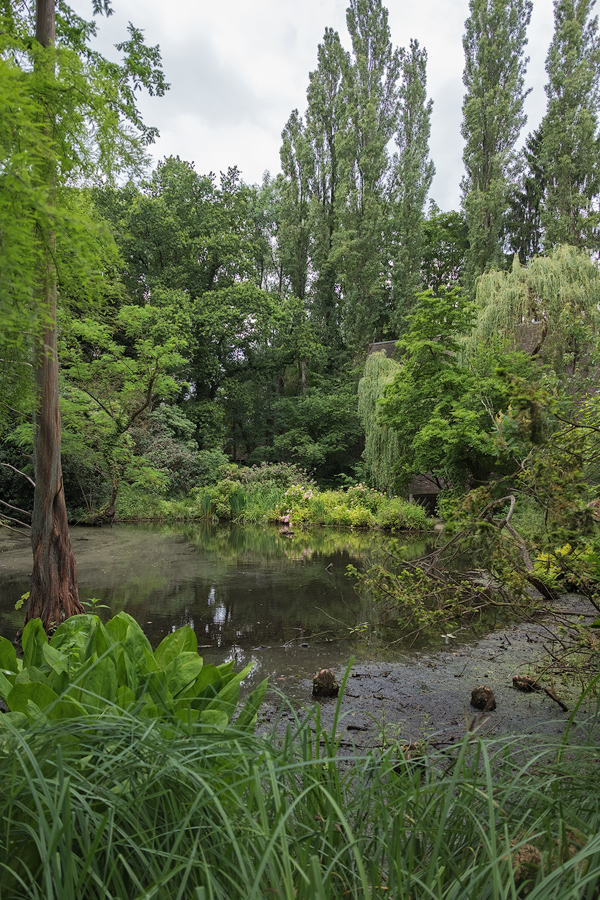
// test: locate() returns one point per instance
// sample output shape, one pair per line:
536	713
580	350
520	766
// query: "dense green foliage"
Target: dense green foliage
494	78
213	334
212	343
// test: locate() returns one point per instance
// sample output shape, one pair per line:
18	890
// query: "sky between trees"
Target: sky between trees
237	69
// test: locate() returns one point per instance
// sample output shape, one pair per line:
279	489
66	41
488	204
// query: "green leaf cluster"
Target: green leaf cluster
443	401
91	669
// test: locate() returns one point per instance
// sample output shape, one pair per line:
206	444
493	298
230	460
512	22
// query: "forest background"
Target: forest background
205	323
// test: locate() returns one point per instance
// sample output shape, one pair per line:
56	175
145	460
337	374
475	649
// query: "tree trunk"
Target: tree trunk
53	596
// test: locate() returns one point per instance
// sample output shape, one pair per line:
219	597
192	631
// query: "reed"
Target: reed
119	808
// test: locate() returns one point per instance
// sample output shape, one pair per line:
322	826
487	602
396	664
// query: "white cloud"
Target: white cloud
237	69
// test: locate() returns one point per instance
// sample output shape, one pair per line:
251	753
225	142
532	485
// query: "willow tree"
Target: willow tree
553	305
71	94
382	449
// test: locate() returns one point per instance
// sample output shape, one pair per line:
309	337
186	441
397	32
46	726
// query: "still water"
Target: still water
282	601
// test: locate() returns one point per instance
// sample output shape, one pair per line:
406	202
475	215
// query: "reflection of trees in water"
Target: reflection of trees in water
244	586
236	541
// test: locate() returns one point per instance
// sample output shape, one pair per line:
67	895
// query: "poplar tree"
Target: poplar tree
524	232
413	174
570	146
294	232
325	121
70	93
493	116
372	114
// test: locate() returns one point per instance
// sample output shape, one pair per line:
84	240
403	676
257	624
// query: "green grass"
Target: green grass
118	808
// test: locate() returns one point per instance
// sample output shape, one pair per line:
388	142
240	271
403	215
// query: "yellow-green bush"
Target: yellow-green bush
357	506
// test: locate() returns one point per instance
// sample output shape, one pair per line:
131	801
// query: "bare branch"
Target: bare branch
3	524
16	508
18	471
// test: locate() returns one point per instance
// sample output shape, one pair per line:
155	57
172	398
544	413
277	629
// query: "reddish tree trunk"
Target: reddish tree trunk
53	596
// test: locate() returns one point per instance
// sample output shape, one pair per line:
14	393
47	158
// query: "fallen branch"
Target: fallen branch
4	525
4	516
552	694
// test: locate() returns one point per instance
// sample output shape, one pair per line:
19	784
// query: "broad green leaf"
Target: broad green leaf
75	625
226	669
32	674
8	656
16	719
57	661
123	629
209	676
116	628
5	686
71	638
98	641
125	697
183	672
157	688
181	641
99	684
34	638
228	695
187	715
34	691
214	718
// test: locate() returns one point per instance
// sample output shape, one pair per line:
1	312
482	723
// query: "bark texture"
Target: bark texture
53	595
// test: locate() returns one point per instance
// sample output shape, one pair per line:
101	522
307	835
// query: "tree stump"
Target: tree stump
324	684
482	697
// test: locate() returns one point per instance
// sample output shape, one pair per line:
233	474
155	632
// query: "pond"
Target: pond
282	601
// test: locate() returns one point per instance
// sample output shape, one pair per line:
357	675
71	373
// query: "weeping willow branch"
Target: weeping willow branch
381	443
558	296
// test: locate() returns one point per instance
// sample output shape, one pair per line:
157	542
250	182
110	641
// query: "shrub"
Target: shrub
283	475
209	466
400	515
358	506
359	495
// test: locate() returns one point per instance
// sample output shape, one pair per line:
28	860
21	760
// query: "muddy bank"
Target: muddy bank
428	695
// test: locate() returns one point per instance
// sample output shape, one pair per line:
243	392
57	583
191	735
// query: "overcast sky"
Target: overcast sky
237	68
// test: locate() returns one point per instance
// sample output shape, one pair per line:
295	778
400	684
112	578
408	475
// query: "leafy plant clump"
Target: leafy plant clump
358	506
90	669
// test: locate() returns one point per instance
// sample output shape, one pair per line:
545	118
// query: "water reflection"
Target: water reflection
241	587
251	594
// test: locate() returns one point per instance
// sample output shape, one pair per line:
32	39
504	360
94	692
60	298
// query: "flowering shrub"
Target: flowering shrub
281	474
360	496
